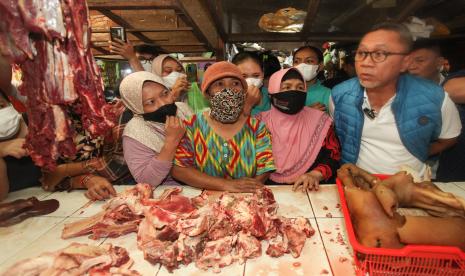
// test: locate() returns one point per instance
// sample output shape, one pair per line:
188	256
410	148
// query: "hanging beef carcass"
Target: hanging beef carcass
49	39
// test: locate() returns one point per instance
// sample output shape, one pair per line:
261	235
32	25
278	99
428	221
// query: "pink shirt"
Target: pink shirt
143	164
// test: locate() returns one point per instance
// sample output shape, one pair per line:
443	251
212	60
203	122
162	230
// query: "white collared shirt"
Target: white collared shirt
382	151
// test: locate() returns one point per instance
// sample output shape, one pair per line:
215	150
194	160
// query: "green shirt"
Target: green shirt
318	93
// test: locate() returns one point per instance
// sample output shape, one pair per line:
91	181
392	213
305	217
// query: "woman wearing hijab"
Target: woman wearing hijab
305	148
150	138
174	76
224	149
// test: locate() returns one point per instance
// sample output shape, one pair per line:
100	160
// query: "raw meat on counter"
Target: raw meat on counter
179	230
18	210
49	39
77	259
120	215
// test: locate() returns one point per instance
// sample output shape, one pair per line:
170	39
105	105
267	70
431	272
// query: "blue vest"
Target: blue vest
416	108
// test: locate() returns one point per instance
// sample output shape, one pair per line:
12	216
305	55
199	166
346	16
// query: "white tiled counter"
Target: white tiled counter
328	252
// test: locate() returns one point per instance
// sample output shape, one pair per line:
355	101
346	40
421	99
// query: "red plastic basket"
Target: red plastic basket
410	260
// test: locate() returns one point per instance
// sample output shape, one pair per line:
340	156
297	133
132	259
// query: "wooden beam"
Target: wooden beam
181	44
200	19
295	37
348	14
146	30
409	9
120	21
216	11
101	50
131	4
312	10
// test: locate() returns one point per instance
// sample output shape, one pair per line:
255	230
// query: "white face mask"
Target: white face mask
147	66
255	82
308	71
10	122
171	79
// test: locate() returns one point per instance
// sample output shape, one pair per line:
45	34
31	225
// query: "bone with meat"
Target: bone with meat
77	259
120	215
174	229
217	233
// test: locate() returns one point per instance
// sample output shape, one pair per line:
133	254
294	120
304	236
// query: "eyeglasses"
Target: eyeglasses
376	56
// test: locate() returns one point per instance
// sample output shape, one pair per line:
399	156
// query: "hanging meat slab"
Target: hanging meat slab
49	39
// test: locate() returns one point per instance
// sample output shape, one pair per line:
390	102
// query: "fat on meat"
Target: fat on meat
220	232
49	40
120	215
174	230
77	259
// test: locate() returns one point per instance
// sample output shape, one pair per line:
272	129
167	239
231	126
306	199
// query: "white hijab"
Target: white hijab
151	134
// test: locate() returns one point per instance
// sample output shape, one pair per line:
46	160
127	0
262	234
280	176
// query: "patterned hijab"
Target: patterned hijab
296	139
151	134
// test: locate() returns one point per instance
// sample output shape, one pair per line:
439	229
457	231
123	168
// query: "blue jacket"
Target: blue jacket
416	108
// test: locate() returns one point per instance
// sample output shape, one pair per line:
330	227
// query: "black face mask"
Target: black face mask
160	114
289	102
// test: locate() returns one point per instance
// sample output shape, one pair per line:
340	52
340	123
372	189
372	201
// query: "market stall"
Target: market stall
328	252
66	70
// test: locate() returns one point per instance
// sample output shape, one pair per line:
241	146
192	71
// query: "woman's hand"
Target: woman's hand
99	188
124	49
13	148
174	130
180	86
309	181
243	185
254	96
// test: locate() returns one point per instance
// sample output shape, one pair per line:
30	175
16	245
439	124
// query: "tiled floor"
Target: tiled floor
323	253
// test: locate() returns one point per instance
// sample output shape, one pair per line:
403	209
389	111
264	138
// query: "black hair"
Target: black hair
428	44
270	63
146	49
403	32
243	56
317	51
292	74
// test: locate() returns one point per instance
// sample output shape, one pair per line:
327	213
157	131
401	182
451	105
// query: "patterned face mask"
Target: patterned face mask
227	105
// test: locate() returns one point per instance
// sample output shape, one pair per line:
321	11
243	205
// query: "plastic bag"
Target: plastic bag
195	98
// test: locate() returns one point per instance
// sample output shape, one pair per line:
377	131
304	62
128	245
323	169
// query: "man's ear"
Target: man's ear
406	61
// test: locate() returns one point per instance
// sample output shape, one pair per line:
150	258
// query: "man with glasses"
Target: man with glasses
386	118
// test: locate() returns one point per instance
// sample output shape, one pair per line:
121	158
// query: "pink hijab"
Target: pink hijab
296	139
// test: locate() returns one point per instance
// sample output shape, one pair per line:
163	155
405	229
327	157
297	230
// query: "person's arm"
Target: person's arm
264	153
441	145
126	50
4	183
325	165
456	89
450	128
143	163
327	161
263	177
253	98
197	179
